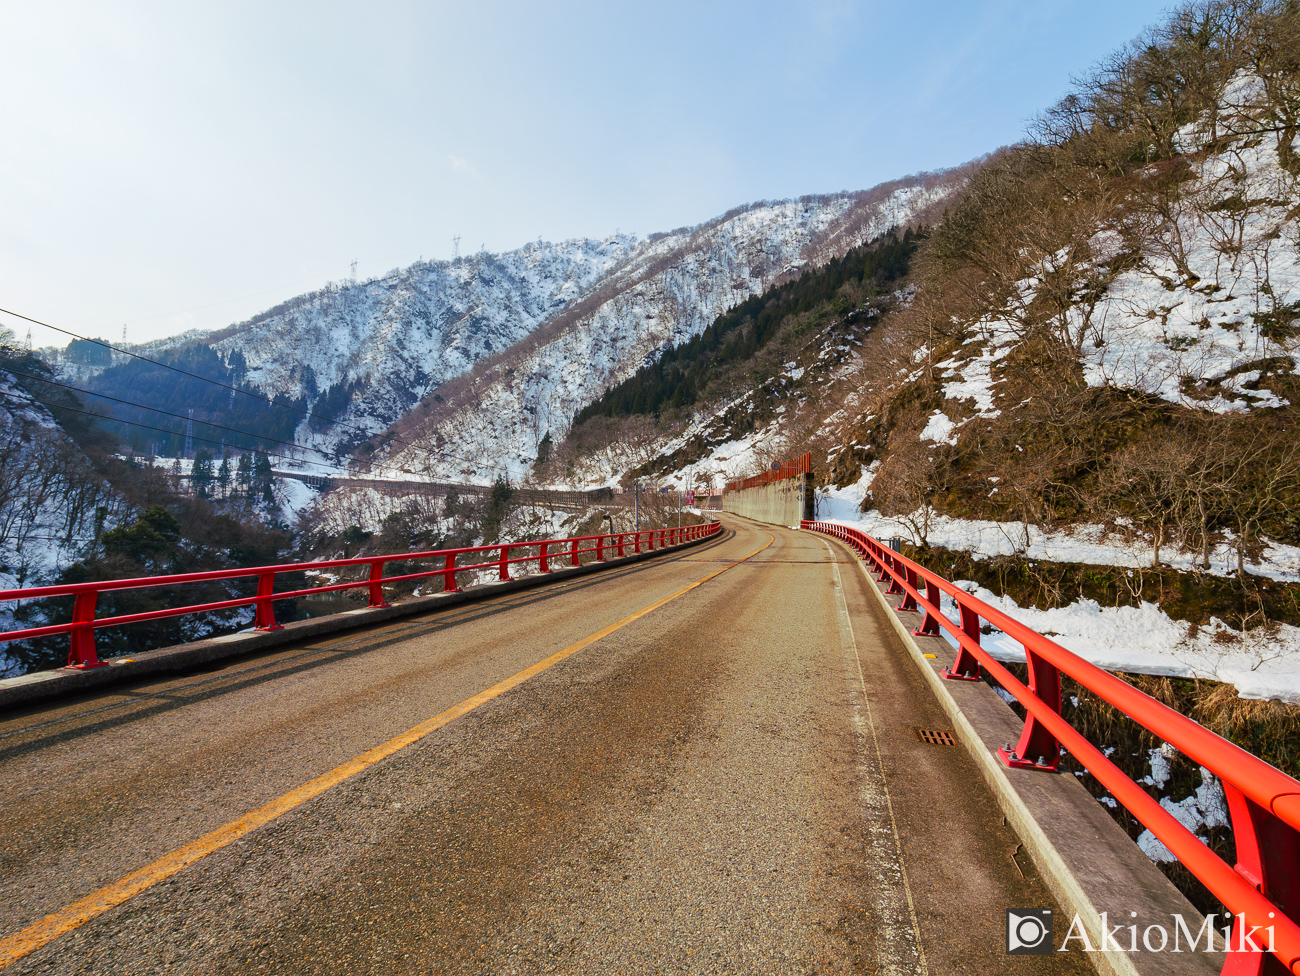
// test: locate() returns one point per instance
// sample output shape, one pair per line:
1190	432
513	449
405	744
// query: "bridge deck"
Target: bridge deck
730	783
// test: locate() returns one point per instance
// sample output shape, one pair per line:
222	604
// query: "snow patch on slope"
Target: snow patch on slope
671	292
400	336
1206	305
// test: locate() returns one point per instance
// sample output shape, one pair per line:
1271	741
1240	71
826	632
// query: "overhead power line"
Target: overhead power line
185	372
226	386
177	433
333	456
133	423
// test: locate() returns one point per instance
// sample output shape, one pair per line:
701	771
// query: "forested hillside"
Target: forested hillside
198	385
719	361
348	359
1081	392
1100	330
1106	323
73	508
496	417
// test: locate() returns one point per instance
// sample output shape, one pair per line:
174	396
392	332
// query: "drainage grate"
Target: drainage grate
935	737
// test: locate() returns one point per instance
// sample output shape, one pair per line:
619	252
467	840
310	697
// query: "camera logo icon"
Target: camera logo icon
1029	931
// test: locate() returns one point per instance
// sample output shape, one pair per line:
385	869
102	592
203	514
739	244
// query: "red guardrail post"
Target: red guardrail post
967	665
914	581
894	586
81	632
1275	876
542	567
376	587
265	616
1037	748
82	654
871	551
1265	882
929	626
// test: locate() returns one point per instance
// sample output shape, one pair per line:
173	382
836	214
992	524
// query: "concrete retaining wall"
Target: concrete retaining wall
784	502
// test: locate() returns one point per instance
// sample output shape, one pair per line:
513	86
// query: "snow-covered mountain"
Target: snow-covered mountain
394	339
491	420
472	361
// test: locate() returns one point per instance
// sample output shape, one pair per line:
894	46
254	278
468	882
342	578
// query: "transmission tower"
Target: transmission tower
189	436
29	338
455	247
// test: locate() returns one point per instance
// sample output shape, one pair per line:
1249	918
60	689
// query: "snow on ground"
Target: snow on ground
295	498
1195	317
1207	807
1091	544
399	336
724	462
939	429
1260	663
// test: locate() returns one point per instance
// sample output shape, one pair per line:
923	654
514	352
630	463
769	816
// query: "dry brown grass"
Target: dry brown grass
1268	729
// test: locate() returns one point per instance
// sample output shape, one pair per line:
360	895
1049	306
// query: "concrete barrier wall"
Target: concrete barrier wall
784	502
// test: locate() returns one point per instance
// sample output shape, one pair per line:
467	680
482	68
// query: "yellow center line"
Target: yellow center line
80	912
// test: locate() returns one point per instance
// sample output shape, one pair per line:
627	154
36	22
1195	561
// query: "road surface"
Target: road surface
719	778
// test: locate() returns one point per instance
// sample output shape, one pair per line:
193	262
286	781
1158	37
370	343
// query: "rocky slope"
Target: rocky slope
492	420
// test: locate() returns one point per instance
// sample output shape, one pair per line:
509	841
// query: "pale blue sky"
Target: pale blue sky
171	166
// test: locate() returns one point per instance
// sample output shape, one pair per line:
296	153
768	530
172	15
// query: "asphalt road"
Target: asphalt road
729	783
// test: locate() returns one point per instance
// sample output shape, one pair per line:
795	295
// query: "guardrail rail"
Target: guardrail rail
1262	890
81	630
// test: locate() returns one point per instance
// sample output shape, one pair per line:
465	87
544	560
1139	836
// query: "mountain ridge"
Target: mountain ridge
673	294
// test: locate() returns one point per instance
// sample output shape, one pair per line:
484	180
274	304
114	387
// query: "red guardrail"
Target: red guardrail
84	622
1262	890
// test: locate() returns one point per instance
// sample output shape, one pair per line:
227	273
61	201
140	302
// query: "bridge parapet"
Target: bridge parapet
501	559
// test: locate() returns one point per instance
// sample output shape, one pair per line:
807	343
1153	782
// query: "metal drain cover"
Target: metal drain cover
936	737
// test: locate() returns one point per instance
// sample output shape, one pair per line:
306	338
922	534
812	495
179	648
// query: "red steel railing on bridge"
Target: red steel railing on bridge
84	622
1262	890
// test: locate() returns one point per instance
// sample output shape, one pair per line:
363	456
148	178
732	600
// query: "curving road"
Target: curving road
729	782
